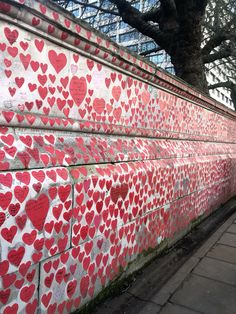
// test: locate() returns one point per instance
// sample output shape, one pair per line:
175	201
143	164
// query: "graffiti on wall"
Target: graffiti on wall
97	165
45	85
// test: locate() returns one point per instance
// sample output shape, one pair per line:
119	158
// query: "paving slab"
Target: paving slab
217	270
223	252
206	296
232	228
162	296
202	251
170	308
228	239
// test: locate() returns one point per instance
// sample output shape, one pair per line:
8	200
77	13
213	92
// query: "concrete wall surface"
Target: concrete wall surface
102	157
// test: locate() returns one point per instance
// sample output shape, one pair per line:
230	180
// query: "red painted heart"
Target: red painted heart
15	256
58	61
99	105
37	210
78	89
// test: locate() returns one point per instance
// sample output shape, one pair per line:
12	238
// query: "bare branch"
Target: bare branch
215	65
226	84
214	42
67	3
224	52
133	17
223	34
229	85
152	15
148	52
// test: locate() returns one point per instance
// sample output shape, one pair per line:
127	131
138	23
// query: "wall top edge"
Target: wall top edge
85	38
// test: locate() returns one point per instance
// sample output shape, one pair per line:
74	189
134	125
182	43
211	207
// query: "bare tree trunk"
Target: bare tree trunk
188	65
185	51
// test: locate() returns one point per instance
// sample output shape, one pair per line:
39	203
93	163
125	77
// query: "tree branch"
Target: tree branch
166	12
223	34
229	85
226	84
133	17
221	54
148	52
152	15
214	42
67	3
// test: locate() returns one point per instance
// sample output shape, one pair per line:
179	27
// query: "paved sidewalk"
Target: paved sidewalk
206	283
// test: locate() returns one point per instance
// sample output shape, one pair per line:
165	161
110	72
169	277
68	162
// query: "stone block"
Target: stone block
232	228
35	211
216	270
171	308
206	296
223	252
58	148
228	239
72	278
19	290
110	196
